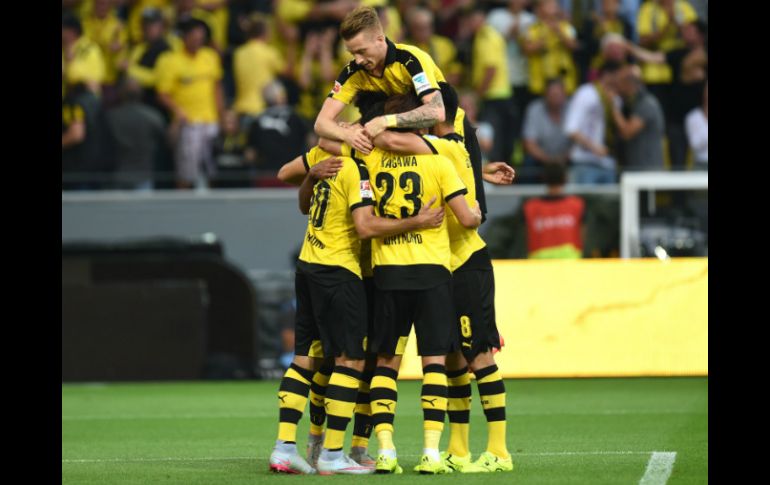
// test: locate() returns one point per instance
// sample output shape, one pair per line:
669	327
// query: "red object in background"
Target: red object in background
554	221
502	344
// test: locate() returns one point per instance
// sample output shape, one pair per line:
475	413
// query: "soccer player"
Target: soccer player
473	295
381	65
294	172
331	309
412	286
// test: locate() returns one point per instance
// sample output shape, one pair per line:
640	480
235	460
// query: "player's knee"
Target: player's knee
433	359
345	361
455	361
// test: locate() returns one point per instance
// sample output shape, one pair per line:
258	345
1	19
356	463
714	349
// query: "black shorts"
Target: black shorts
474	303
331	319
369	289
431	312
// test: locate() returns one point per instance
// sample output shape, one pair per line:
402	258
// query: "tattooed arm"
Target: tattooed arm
427	115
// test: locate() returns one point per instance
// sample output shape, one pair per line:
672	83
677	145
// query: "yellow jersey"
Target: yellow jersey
108	33
255	64
489	50
331	238
650	19
191	80
556	61
463	242
86	65
407	69
400	184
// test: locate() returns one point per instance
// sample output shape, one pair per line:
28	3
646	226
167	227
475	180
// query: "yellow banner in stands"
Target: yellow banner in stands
598	317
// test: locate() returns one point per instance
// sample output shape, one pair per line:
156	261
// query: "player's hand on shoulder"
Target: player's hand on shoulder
326	168
376	126
358	139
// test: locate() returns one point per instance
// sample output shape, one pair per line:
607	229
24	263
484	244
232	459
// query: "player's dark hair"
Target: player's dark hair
364	100
373	110
451	101
401	103
554	174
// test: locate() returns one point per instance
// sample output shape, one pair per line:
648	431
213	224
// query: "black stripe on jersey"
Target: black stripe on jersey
363	172
305	163
430	145
410	62
454	137
454	194
426	92
363	203
472	145
347	71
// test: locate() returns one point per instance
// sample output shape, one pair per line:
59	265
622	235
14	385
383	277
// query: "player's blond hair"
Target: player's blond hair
360	19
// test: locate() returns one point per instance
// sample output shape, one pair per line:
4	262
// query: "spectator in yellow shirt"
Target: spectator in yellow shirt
549	44
420	22
659	24
255	64
105	29
144	57
189	85
489	78
82	60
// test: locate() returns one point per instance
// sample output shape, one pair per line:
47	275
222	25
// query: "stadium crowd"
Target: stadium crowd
221	93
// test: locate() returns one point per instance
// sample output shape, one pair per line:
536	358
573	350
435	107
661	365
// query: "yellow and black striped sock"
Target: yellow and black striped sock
340	402
317	394
492	392
459	411
383	396
292	396
362	426
433	398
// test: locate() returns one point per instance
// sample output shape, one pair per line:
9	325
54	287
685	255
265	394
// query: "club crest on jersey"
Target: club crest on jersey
420	81
366	190
337	87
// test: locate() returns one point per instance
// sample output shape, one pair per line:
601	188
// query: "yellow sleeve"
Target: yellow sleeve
293	10
346	86
451	184
424	72
311	157
89	67
356	183
143	74
644	19
346	150
164	73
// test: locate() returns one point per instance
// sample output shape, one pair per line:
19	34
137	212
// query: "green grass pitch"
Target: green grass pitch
560	431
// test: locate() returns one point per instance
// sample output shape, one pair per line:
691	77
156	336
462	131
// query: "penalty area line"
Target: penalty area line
658	468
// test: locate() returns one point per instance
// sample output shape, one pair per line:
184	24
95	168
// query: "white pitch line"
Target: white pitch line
227	458
659	468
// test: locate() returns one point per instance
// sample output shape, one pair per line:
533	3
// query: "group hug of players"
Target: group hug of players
382	253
